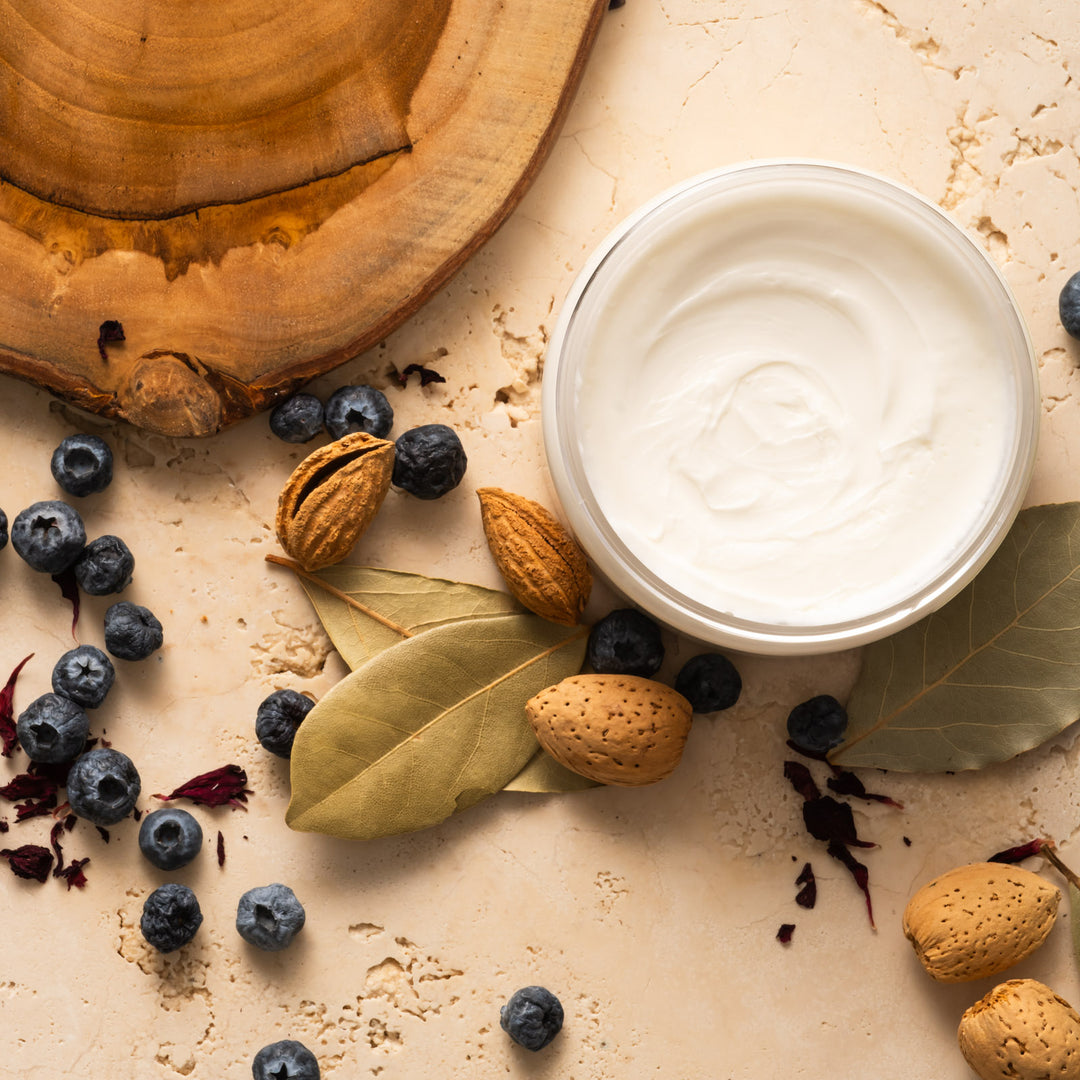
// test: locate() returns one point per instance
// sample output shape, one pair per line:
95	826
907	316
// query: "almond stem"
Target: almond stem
297	569
1047	849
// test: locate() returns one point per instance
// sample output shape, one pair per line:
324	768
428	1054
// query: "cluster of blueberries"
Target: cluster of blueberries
429	460
50	537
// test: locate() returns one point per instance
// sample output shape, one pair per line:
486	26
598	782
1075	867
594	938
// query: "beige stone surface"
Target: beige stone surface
651	913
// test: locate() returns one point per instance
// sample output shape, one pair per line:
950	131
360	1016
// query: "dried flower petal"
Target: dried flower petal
102	832
31	861
829	819
427	375
69	589
1020	853
8	735
31	808
54	843
847	783
109	331
220	849
225	786
858	872
783	935
28	786
801	780
73	873
807	895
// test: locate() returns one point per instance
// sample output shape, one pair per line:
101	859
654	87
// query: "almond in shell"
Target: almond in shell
332	497
541	562
615	729
979	919
1021	1030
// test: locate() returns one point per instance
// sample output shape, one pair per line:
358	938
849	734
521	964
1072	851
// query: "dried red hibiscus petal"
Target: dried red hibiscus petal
33	809
858	872
829	819
54	843
226	786
426	375
783	935
73	873
8	735
220	849
69	589
847	783
1020	853
31	861
28	786
807	895
801	780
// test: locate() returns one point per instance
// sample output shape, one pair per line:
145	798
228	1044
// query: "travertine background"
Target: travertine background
652	913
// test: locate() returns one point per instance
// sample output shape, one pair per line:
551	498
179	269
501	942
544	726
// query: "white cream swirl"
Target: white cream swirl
792	407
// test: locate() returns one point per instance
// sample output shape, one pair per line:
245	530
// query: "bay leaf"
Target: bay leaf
429	726
993	673
409	603
544	775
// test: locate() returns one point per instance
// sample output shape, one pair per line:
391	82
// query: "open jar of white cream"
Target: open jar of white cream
790	407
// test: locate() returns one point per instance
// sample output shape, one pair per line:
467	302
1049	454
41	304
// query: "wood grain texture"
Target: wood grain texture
257	193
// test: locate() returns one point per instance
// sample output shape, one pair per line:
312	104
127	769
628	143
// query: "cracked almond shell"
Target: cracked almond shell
979	919
542	564
1021	1030
332	497
615	729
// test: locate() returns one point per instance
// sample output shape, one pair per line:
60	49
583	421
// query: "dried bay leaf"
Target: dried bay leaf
544	775
995	672
409	604
427	727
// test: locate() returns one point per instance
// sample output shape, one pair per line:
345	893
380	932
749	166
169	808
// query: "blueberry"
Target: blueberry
532	1017
105	566
709	682
429	461
817	725
82	465
278	718
102	786
269	917
170	917
285	1060
1069	306
52	729
625	643
83	675
170	838
48	535
131	631
298	419
358	408
3	530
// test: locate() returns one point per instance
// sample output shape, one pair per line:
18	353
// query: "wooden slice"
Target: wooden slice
255	192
